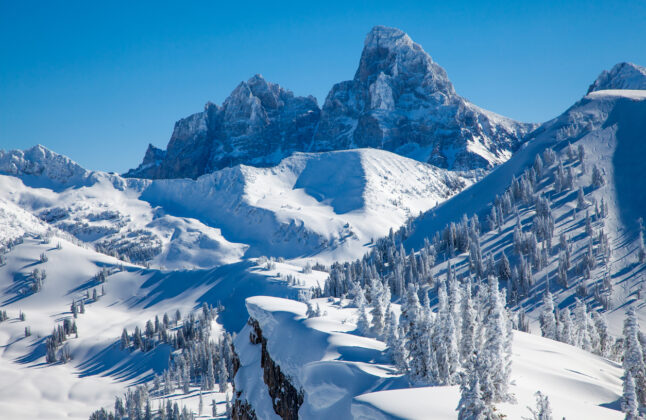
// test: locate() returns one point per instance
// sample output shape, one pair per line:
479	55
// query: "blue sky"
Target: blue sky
98	82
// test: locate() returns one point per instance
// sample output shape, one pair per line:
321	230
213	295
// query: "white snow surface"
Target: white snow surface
327	206
342	372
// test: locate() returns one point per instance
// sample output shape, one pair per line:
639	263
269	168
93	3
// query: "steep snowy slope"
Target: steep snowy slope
130	296
610	126
341	372
325	206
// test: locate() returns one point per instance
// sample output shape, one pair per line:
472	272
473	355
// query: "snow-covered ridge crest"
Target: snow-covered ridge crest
42	162
621	76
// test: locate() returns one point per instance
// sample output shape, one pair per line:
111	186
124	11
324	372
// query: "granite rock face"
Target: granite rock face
399	100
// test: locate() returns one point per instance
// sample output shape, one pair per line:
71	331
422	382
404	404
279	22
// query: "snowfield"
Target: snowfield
342	372
325	206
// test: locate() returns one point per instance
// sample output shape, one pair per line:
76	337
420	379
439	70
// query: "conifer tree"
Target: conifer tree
633	360
547	319
629	403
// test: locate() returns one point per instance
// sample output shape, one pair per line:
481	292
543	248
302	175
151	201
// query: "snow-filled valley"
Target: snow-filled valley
341	282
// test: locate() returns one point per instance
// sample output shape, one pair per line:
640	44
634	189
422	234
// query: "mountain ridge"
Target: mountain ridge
400	100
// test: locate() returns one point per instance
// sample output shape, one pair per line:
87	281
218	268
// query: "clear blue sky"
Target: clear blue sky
98	82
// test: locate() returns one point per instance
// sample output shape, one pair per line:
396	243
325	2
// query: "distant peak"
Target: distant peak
621	76
384	36
392	52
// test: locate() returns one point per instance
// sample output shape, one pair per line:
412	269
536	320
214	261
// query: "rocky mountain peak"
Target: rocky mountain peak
392	52
399	100
621	76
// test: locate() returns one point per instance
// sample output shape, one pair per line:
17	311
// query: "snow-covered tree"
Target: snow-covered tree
633	360
629	403
597	177
363	325
469	326
547	319
543	410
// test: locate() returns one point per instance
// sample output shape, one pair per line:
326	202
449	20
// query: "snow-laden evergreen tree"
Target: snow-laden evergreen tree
495	353
606	341
547	318
468	328
363	325
359	297
378	317
416	339
597	177
580	200
629	403
581	328
633	360
445	354
504	268
471	405
543	411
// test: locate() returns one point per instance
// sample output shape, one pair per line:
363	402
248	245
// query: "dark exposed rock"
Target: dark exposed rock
286	399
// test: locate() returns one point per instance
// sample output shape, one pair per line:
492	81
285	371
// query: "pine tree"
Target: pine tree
565	335
125	341
543	410
377	312
469	326
547	319
583	339
633	360
363	325
597	177
471	405
223	375
496	347
396	344
580	200
629	403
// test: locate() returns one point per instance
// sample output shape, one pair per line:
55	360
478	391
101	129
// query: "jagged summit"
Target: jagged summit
392	52
400	100
258	124
621	76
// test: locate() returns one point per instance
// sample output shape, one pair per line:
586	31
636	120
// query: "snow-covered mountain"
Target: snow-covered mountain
399	100
325	206
351	277
621	76
258	124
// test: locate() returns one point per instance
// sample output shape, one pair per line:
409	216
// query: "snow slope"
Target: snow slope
610	125
341	372
325	206
99	370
